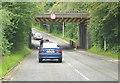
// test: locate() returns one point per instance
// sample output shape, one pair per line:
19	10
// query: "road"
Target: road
75	66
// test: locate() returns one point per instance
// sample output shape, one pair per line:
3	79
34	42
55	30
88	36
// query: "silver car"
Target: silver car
37	36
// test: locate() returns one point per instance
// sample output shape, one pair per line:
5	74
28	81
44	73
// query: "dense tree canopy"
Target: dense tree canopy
5	23
104	25
16	24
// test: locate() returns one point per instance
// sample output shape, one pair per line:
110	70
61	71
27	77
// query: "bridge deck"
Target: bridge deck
74	15
65	17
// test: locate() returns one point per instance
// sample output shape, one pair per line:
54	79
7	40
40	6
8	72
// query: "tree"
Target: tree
5	45
21	16
104	24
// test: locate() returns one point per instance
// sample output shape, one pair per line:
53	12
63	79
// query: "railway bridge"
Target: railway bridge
80	17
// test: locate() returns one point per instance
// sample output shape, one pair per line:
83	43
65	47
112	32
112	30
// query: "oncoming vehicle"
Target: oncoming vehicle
37	36
50	50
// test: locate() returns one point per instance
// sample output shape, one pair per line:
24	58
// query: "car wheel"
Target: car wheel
60	60
40	60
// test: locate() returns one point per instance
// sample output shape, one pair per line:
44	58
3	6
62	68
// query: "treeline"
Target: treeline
16	25
104	23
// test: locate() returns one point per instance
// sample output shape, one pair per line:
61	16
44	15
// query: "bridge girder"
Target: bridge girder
81	17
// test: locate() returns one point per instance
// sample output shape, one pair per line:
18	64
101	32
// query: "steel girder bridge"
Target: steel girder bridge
80	18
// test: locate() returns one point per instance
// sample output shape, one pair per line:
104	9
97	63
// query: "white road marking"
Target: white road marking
78	72
65	41
81	74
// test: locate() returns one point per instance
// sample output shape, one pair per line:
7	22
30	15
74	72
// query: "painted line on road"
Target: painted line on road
78	72
65	41
81	74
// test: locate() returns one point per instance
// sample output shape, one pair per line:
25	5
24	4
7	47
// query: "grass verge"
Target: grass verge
100	51
10	61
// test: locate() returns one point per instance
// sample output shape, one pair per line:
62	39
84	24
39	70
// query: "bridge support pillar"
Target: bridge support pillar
83	36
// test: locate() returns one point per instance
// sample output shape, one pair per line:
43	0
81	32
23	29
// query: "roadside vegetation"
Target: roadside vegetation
15	32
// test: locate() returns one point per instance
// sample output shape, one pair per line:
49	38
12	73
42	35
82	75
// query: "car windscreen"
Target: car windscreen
38	34
50	45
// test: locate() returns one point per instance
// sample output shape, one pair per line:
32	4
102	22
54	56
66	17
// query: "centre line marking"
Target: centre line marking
78	71
81	74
